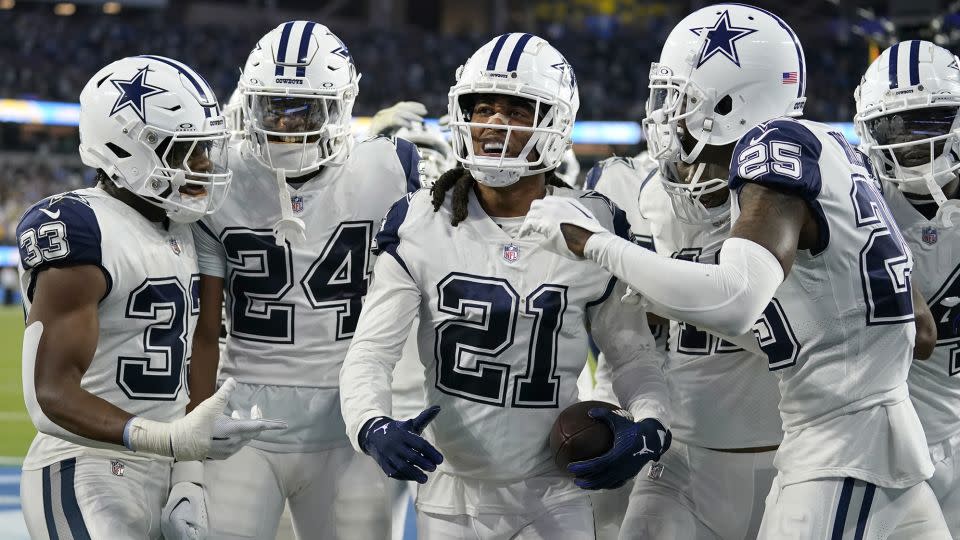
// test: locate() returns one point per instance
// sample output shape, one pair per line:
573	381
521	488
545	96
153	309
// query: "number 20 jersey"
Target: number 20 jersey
839	332
934	383
147	317
293	308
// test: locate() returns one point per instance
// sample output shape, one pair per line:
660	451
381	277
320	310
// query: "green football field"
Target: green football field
16	431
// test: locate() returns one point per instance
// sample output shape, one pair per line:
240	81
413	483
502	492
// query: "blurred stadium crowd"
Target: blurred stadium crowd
45	57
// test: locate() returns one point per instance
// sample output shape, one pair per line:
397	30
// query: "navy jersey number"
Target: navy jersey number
262	274
487	310
338	280
776	338
165	301
885	264
945	308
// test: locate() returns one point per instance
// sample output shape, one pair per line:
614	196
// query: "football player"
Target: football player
503	324
725	417
290	249
109	281
814	266
907	108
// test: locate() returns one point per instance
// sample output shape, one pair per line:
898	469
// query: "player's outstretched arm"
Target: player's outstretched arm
926	328
58	346
388	312
206	341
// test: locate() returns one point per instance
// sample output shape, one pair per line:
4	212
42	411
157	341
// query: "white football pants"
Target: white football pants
571	520
335	494
95	498
849	509
701	494
946	480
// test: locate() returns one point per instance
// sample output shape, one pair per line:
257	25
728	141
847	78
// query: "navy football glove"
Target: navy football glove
398	447
634	445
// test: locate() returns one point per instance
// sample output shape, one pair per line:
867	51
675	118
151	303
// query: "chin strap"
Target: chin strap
290	228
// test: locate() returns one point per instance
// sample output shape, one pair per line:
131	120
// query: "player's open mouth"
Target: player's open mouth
193	191
493	148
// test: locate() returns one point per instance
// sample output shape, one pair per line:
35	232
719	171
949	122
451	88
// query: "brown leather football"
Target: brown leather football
576	437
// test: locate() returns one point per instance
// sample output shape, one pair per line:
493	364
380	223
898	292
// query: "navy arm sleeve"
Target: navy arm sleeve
60	231
409	158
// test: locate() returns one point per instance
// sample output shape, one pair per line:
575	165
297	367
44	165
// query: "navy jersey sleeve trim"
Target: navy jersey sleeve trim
59	232
606	294
203	227
410	161
593	176
621	226
387	239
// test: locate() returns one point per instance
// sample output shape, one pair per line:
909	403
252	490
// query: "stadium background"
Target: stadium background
405	50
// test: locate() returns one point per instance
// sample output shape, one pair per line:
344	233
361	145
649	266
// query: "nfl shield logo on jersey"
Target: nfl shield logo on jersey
296	202
929	235
175	245
511	252
116	467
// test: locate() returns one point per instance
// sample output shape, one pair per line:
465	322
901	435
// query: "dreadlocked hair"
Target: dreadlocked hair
461	181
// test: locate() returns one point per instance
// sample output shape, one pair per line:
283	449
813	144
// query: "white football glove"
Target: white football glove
231	433
404	114
184	517
547	214
204	431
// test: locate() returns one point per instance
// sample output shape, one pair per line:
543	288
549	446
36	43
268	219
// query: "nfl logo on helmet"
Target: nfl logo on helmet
511	252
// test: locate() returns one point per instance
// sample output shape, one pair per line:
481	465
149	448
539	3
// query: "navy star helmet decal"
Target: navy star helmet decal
721	38
134	92
565	67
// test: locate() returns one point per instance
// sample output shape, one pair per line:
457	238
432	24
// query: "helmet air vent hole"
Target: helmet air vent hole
119	152
724	106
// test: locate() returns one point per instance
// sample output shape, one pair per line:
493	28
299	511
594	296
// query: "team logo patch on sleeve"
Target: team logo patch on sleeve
929	235
511	252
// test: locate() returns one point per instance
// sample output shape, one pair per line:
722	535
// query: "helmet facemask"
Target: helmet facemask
915	148
499	167
299	133
673	103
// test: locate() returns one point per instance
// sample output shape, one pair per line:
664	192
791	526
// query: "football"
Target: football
575	436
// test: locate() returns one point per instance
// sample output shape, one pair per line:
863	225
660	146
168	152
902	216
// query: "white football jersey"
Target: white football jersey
722	396
147	317
934	383
293	308
502	331
839	332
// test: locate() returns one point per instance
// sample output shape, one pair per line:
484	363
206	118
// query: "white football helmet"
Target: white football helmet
233	113
907	117
527	67
723	70
298	86
436	155
154	126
